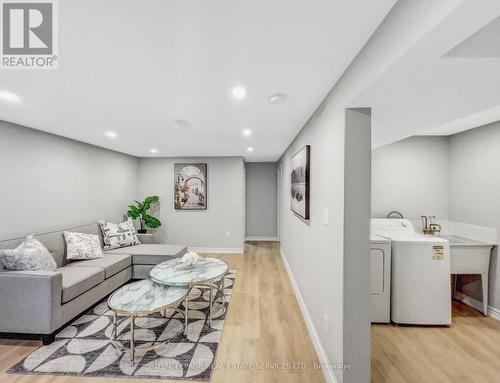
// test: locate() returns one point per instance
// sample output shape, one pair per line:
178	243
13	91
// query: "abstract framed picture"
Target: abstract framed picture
299	186
190	186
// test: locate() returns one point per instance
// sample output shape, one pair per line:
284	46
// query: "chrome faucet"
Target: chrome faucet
429	227
394	212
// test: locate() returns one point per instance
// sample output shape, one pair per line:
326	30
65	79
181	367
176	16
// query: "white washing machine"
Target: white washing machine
420	273
380	282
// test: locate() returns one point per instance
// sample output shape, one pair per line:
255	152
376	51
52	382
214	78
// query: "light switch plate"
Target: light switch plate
326	217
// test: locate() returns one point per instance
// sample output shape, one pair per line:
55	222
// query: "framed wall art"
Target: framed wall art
190	186
299	186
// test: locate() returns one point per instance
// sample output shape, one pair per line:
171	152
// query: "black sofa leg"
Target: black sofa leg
48	338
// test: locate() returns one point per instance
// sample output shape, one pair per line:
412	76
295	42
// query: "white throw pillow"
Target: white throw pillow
116	235
82	246
29	255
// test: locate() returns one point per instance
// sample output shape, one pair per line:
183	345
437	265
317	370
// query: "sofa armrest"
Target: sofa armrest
30	301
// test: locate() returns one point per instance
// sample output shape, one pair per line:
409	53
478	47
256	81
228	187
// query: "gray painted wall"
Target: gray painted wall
475	192
203	228
261	199
411	176
50	182
357	206
313	251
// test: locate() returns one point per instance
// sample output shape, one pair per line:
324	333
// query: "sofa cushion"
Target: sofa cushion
110	263
77	280
151	254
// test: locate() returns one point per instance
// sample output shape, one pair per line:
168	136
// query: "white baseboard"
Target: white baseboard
262	239
320	351
474	303
494	312
214	250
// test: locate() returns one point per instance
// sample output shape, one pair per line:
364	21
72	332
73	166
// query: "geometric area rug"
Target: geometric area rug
83	348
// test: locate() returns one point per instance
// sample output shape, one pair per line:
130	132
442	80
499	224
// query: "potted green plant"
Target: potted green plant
140	211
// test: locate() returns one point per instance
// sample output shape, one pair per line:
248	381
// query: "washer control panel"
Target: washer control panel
391	225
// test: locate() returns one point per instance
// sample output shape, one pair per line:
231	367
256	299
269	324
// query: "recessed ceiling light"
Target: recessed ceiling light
111	134
250	149
276	98
9	96
239	92
246	132
153	151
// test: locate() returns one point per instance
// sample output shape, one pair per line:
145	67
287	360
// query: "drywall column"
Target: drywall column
357	209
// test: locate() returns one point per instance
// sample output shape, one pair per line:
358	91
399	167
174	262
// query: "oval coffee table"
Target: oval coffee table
140	299
204	273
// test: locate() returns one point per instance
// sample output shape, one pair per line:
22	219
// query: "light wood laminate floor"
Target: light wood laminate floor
468	351
263	324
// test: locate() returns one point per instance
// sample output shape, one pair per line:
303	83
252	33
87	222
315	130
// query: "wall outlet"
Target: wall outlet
326	324
228	234
326	217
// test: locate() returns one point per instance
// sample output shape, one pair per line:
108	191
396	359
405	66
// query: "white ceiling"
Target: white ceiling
484	43
431	90
135	67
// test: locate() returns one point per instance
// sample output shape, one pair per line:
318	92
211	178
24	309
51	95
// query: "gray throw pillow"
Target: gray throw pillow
29	255
116	235
81	246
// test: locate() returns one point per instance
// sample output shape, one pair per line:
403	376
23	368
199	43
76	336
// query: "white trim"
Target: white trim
475	304
214	250
279	189
320	351
261	239
494	312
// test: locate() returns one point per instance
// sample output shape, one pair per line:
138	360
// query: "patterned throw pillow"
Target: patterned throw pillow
82	246
117	235
29	255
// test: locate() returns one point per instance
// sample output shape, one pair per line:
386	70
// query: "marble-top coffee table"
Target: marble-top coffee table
143	298
205	273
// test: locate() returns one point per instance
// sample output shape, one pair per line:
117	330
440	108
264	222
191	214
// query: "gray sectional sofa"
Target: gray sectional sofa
41	302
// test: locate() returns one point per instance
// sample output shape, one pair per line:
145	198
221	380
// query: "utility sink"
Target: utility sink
467	255
456	240
470	256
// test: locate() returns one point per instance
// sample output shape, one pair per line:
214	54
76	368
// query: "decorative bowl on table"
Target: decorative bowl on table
190	259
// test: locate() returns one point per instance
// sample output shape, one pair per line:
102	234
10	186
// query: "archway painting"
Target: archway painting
190	186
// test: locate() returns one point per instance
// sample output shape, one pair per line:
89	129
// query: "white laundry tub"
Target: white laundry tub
470	256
